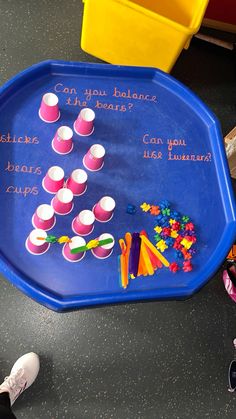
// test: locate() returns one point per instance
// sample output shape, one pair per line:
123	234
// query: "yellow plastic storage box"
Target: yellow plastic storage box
140	32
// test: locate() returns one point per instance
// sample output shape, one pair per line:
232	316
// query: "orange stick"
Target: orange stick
146	259
155	251
142	270
123	271
128	239
156	263
123	265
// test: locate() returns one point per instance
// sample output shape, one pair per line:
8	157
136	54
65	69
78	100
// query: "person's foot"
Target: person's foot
22	375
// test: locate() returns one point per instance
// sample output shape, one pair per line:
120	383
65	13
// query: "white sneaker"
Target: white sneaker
22	375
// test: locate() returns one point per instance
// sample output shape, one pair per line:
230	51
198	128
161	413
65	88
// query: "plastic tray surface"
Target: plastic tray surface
148	123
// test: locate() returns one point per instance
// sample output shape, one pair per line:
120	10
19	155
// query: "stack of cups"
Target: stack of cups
36	242
54	179
49	109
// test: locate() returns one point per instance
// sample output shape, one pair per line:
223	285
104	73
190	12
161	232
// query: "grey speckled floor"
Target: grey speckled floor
163	360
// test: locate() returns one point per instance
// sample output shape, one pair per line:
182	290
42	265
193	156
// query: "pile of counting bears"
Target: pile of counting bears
173	230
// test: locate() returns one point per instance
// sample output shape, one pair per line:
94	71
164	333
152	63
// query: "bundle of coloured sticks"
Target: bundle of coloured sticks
138	257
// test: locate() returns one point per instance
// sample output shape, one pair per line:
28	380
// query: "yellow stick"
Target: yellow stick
155	251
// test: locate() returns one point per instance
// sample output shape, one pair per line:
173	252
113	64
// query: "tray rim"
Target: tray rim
58	303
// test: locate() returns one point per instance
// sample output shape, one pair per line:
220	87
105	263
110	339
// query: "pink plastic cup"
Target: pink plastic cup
76	242
62	203
94	158
62	143
84	124
77	182
36	246
44	217
103	252
54	179
83	224
104	209
49	109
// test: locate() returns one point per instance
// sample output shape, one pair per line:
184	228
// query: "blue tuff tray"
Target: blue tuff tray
137	111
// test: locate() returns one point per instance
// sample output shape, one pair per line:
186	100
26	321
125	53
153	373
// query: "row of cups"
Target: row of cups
36	244
55	180
49	112
44	219
83	224
76	185
62	143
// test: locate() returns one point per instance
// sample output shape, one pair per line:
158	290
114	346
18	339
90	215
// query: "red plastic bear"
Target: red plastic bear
174	267
187	266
